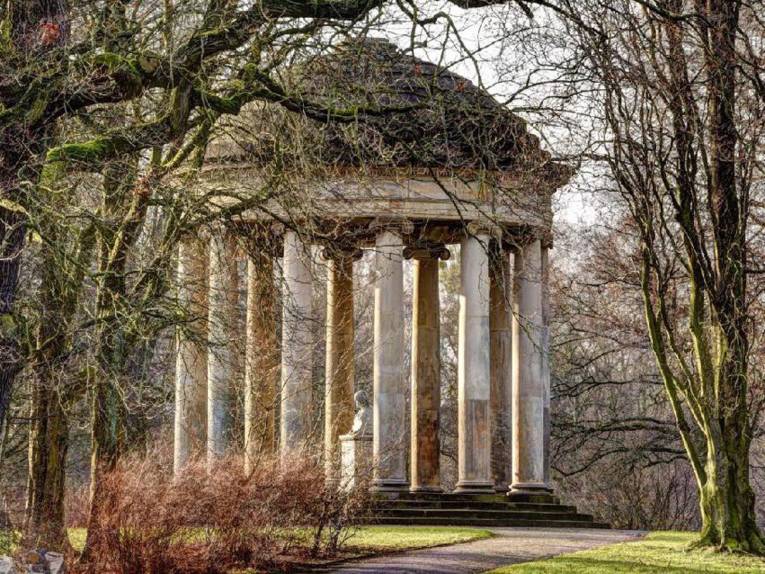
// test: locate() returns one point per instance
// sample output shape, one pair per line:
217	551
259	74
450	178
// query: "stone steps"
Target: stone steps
490	510
486	522
467	513
542	498
504	505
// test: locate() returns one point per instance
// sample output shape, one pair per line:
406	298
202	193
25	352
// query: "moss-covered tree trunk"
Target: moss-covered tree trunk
106	440
726	497
33	31
679	155
53	391
49	443
12	241
124	207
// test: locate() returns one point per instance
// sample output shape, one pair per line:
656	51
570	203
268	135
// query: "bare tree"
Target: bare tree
683	119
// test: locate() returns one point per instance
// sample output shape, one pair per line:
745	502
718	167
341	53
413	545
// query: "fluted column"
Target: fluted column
389	409
426	371
528	384
261	360
338	402
223	365
297	346
191	360
501	356
474	380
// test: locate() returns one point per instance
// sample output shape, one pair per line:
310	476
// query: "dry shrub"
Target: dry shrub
76	506
213	520
661	497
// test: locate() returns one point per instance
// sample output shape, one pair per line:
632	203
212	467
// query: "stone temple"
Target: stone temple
437	163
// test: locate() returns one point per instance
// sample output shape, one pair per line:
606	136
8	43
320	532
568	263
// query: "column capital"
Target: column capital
478	227
221	236
340	252
202	235
438	251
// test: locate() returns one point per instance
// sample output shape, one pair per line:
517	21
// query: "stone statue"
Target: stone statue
362	422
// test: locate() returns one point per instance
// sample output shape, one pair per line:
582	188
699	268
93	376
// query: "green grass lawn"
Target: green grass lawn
77	538
376	538
658	553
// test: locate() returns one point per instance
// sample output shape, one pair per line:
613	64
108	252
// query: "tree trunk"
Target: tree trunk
52	393
22	146
729	520
49	442
49	433
107	422
12	241
107	411
111	354
726	498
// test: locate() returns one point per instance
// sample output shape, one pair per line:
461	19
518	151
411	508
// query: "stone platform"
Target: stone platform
486	510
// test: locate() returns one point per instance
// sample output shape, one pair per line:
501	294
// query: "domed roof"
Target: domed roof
415	113
414	142
398	112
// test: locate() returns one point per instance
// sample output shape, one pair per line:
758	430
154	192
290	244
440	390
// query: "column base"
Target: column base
530	492
389	485
475	487
530	487
502	488
426	488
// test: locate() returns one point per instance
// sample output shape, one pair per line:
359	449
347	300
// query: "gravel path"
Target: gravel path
508	546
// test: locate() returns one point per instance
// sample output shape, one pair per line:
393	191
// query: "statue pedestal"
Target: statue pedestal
356	459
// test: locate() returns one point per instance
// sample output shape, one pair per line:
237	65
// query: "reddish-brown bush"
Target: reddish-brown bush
209	520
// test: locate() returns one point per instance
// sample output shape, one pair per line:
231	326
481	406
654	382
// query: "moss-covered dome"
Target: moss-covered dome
445	120
409	113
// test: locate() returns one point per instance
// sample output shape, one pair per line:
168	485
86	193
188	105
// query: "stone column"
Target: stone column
426	371
528	386
297	346
389	426
546	359
501	356
191	360
223	365
261	360
474	378
338	401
